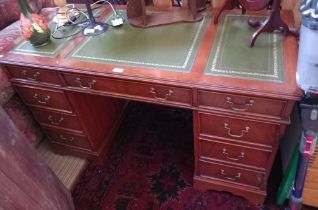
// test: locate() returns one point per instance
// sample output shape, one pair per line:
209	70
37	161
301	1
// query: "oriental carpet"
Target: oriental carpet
150	167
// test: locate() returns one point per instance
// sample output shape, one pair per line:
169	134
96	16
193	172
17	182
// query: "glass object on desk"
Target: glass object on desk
60	18
33	26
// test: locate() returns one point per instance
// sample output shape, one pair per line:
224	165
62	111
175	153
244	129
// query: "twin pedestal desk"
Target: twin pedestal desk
241	97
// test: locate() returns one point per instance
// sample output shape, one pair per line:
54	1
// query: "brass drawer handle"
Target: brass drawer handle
239	157
235	178
154	94
246	130
66	139
43	100
90	84
32	77
55	122
234	106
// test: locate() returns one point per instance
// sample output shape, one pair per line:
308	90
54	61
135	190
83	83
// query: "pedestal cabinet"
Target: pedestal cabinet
76	123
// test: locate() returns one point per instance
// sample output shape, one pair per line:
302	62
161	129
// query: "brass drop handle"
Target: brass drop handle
55	122
246	130
41	100
234	178
66	139
32	77
155	94
89	84
234	106
227	155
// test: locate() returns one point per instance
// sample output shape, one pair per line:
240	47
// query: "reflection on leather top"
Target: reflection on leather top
231	56
170	47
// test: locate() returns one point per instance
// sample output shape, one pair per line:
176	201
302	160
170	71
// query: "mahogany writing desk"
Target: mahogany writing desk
241	97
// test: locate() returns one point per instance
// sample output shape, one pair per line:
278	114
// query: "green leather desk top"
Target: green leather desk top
170	47
231	56
55	46
174	48
190	55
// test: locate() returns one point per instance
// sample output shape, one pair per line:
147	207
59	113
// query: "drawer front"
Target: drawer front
313	162
312	179
241	103
44	98
33	74
233	153
231	174
136	90
57	119
237	129
68	139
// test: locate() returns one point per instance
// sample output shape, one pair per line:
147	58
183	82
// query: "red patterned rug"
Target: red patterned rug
150	167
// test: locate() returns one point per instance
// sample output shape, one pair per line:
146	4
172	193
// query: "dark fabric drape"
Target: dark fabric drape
26	182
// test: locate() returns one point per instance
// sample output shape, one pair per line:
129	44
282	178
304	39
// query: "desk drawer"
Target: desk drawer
47	118
312	179
231	174
42	97
233	153
313	162
69	139
154	92
237	129
34	74
241	103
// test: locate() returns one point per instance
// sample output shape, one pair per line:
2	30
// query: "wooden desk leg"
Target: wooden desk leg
272	23
201	5
227	5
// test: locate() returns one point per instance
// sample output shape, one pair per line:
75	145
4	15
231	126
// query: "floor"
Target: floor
150	166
